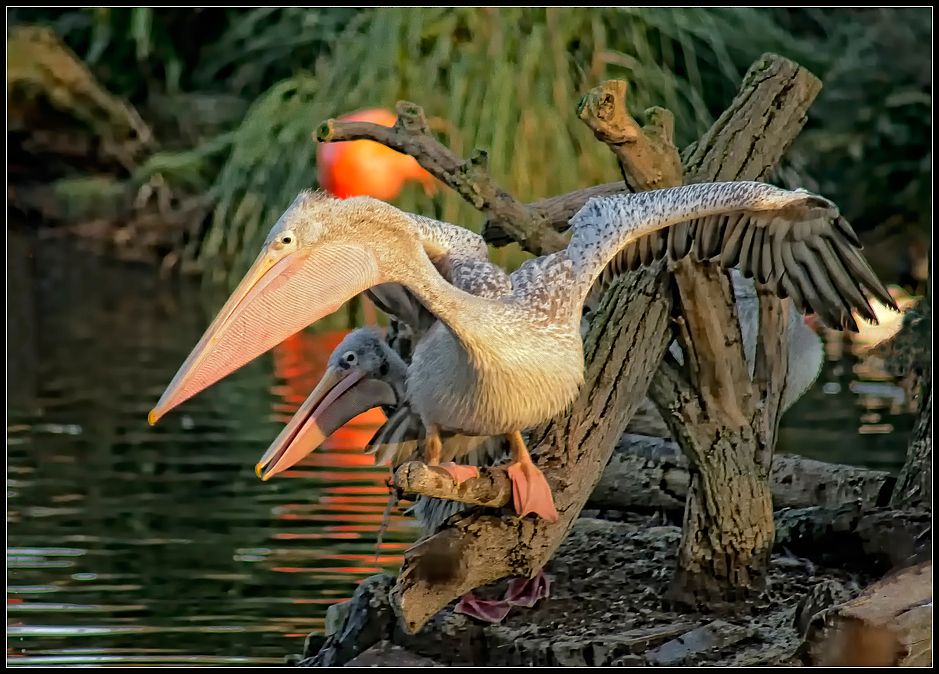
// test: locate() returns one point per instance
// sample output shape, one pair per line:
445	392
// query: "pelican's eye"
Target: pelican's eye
350	358
286	239
384	368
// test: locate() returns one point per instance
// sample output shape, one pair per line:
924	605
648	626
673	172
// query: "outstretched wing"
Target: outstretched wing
794	242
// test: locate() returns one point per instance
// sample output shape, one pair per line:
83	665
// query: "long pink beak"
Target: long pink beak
281	294
340	396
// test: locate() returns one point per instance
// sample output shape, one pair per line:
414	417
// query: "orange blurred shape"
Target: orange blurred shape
334	569
367	168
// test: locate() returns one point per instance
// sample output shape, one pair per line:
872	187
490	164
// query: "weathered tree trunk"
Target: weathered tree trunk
914	486
652	473
909	355
725	424
727	529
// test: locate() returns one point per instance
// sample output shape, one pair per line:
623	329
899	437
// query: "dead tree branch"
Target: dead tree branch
470	178
889	625
535	226
648	157
556	211
492	488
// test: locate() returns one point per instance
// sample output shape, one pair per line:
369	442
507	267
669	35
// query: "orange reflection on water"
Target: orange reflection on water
360	489
314	536
355	499
321	570
376	518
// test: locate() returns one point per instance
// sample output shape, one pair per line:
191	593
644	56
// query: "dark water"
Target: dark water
136	545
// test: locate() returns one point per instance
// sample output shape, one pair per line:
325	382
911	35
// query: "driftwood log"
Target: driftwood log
647	473
625	345
852	535
889	625
651	473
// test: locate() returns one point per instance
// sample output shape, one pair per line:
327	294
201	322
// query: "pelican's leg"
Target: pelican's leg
432	446
432	449
530	490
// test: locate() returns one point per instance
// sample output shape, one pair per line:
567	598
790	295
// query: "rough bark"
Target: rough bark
647	156
855	536
626	342
492	488
889	625
914	486
725	423
908	356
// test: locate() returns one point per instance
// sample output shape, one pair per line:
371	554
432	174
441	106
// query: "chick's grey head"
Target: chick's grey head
365	348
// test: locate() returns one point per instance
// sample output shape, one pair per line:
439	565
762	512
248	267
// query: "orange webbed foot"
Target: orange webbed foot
460	473
531	492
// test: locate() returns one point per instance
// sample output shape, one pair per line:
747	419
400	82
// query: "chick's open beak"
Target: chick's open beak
341	395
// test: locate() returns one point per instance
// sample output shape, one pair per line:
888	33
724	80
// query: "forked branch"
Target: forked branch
626	343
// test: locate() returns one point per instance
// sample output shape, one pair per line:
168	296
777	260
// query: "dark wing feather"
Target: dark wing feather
679	238
399	438
799	252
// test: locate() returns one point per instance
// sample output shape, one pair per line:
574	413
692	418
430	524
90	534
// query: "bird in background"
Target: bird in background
365	168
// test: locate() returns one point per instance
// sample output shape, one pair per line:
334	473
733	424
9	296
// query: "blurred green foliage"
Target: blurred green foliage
237	93
868	141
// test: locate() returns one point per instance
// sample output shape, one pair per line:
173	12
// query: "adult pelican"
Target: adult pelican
497	366
380	375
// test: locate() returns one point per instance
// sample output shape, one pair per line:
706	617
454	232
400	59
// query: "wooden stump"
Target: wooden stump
890	624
